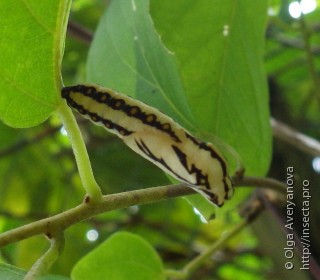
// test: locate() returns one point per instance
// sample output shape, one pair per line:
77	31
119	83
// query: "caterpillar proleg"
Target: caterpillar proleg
156	137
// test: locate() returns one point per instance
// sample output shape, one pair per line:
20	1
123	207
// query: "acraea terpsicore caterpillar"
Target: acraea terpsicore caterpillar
156	137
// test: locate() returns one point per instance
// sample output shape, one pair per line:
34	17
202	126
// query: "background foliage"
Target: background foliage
206	69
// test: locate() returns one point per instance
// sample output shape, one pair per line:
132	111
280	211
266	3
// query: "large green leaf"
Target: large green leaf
219	47
122	256
128	55
31	46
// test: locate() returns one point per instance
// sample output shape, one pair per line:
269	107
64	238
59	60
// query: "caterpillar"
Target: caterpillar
155	137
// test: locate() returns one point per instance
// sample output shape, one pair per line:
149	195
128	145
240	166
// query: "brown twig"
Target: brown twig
293	43
26	142
79	32
293	137
87	209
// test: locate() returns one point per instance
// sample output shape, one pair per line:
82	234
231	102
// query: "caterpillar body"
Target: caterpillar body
156	137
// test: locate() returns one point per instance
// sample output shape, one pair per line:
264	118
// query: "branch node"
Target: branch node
48	235
86	199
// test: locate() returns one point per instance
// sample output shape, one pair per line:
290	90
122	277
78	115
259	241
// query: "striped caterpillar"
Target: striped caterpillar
156	137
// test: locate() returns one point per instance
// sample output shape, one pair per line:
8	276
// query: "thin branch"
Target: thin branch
293	137
289	66
42	265
35	139
293	43
111	202
261	182
79	32
189	269
86	210
197	262
26	142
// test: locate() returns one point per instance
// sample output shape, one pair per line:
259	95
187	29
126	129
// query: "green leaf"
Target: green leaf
128	56
122	256
220	60
9	272
218	54
219	46
31	46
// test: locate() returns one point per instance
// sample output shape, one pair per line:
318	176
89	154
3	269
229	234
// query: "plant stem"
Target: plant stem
295	138
261	182
117	201
198	261
221	242
83	162
42	265
86	210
